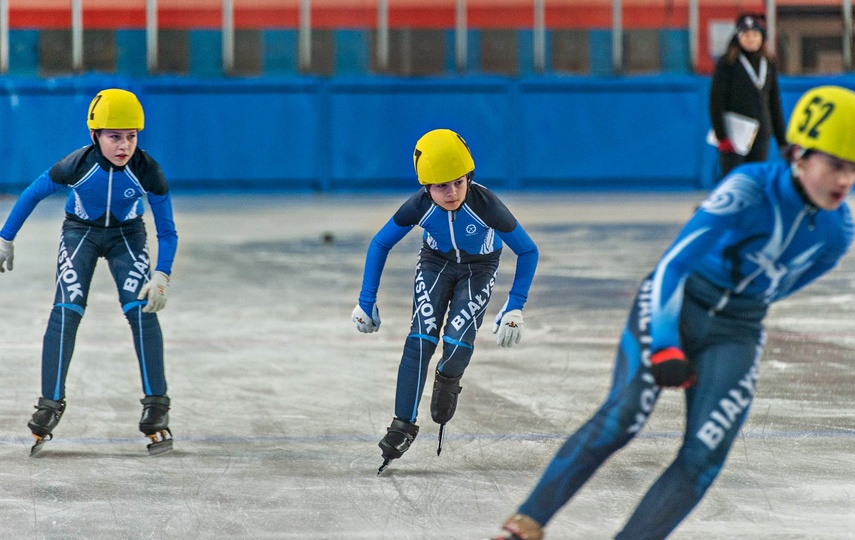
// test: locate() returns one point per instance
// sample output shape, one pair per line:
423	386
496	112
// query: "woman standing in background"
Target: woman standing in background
745	82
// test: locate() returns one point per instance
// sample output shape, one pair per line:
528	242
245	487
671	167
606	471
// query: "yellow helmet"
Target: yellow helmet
824	120
441	156
115	109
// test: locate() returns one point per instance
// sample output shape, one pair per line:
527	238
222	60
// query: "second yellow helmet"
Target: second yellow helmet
824	119
115	109
440	156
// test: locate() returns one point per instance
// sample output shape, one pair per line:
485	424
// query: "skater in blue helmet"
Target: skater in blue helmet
103	218
465	226
697	322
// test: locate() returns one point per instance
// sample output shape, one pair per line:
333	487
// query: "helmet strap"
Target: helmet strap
794	153
800	189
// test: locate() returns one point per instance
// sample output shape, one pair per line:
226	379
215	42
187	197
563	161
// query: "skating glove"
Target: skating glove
725	145
7	254
671	369
363	322
154	292
508	327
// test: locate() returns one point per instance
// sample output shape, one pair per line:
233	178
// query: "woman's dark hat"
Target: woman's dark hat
751	21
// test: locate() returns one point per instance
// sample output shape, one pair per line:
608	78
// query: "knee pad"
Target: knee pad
419	347
64	320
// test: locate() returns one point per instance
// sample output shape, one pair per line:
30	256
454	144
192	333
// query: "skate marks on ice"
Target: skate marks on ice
278	403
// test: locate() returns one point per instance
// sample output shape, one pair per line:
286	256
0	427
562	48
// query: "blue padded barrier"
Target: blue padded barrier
235	134
584	124
355	133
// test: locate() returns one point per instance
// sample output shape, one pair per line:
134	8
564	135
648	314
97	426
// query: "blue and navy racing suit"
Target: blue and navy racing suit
754	241
103	219
455	274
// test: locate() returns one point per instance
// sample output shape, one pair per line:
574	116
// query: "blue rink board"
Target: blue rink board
338	134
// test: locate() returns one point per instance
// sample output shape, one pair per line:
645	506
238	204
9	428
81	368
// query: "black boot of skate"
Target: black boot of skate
444	402
44	420
154	423
399	436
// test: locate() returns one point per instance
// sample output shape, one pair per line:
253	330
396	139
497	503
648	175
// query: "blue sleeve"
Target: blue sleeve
526	251
167	238
41	187
698	236
375	260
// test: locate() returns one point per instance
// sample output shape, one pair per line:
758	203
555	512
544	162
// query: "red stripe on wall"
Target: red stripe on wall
578	16
39	18
267	18
401	17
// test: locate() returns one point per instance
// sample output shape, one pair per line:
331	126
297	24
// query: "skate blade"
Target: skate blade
36	449
440	439
161	442
386	462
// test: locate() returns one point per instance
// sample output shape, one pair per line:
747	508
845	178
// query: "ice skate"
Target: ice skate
44	420
519	527
399	436
444	403
154	423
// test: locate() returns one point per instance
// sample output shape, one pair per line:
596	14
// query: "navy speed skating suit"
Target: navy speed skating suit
103	219
455	274
754	241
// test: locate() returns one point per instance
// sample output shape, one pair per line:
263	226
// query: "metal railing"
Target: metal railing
4	36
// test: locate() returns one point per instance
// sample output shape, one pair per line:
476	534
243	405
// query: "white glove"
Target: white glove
7	254
363	322
509	326
154	292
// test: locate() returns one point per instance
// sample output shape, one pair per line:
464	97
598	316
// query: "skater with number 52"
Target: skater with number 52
103	218
465	226
696	324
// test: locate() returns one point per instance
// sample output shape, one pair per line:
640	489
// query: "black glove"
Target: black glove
670	368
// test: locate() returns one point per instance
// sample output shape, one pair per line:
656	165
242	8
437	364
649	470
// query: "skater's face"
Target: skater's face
826	179
117	145
450	195
750	40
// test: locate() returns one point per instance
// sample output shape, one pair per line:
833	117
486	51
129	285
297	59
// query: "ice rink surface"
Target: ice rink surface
278	402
